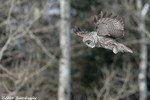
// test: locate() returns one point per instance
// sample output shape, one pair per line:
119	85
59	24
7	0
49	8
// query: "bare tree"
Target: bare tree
144	54
64	70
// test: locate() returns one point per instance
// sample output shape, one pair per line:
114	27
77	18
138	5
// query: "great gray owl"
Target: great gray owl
108	29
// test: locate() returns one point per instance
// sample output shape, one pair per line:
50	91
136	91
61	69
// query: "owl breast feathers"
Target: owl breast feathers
108	28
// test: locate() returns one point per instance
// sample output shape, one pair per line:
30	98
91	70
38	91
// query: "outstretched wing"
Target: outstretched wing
80	32
109	25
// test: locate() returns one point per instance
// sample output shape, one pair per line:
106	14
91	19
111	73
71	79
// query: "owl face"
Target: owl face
90	39
90	43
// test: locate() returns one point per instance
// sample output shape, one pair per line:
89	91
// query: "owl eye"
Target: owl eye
88	41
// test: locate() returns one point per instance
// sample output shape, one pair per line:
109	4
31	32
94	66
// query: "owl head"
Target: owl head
89	38
89	41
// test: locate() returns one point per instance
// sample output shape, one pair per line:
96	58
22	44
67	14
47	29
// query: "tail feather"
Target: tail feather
123	48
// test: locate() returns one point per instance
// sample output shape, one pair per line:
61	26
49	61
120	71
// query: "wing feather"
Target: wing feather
109	25
80	32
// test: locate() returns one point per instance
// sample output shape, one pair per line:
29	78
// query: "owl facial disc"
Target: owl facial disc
90	43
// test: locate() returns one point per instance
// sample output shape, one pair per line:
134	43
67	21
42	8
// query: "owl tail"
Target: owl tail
121	48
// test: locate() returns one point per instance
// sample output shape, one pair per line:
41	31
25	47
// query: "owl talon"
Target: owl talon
115	50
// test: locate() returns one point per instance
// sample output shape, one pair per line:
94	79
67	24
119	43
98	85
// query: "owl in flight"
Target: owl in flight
109	28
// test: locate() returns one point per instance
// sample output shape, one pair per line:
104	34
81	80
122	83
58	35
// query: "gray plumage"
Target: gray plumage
107	26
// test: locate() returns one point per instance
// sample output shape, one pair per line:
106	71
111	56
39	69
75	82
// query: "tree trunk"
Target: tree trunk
143	56
64	67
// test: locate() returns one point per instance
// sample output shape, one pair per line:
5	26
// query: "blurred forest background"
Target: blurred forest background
30	51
